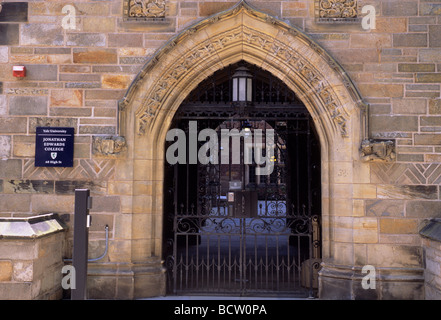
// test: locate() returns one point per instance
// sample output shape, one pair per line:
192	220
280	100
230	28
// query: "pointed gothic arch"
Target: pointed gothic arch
241	33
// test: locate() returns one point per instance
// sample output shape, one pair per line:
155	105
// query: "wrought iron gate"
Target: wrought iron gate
231	231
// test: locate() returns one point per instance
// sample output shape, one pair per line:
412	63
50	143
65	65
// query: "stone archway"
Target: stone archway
241	33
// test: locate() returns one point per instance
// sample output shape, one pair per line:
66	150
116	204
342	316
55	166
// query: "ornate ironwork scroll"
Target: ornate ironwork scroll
144	9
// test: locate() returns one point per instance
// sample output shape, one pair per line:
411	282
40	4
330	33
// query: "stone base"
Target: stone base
345	283
125	281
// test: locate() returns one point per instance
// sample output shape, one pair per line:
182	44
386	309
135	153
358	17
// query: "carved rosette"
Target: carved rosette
144	9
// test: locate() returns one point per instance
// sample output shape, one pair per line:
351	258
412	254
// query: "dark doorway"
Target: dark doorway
230	226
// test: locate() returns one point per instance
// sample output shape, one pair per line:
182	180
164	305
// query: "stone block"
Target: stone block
104	94
86	39
66	98
28	186
70	112
364	191
98	24
4	54
13	125
41	34
428	78
42	72
126	40
430	9
24	271
403	290
429	55
209	8
165	25
435	106
104	56
399	226
5	270
79	77
423	209
370	40
365	230
435	36
3	104
9	34
382	90
14	12
427	139
15	203
407	192
74	69
391	24
416	67
410	157
400	8
430	121
359	55
410	40
385	208
383	123
5	147
97	130
51	122
399	256
28	105
409	106
67	187
116	81
52	203
24	146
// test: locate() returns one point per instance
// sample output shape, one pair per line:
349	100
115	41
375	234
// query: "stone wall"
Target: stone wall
31	258
75	77
431	234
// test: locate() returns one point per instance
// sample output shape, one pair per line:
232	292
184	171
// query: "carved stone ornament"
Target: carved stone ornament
108	146
144	8
337	9
377	151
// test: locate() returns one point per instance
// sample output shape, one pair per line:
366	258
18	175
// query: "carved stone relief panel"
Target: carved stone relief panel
377	150
336	10
135	9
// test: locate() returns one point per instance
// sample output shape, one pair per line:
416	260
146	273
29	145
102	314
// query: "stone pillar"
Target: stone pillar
31	258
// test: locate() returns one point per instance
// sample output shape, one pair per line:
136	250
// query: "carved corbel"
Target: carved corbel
377	150
108	146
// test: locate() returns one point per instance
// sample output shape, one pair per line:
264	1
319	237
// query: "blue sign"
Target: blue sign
54	147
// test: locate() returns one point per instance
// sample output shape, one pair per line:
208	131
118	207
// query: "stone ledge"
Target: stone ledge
30	227
432	230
